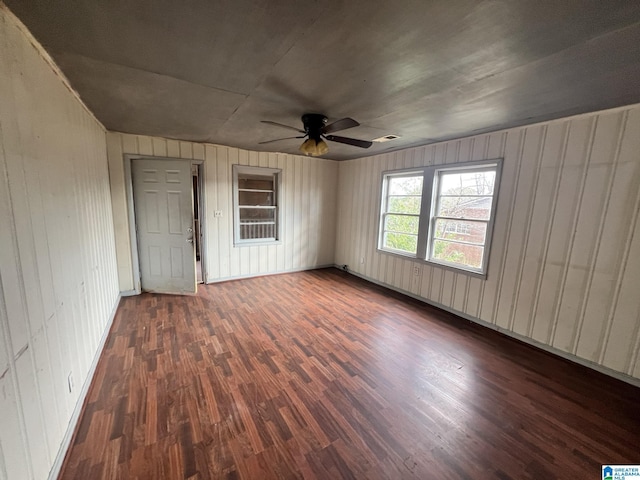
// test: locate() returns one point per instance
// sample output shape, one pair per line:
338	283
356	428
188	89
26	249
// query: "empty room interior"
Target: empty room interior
319	240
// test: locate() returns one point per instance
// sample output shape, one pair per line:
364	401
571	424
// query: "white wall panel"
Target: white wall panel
58	278
308	207
564	266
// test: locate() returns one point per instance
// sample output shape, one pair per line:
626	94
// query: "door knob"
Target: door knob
189	240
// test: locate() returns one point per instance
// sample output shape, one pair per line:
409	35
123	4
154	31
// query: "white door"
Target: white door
163	204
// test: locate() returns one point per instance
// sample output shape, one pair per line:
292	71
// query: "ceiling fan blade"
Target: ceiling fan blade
350	141
278	139
282	125
341	124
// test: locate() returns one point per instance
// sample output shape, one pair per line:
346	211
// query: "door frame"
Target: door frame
202	217
133	234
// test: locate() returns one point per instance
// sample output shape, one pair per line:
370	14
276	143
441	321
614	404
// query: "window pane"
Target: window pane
404	205
466	197
456	253
469	183
255	182
400	241
248	214
465	207
405	185
257	230
257	223
255	198
401	223
464	231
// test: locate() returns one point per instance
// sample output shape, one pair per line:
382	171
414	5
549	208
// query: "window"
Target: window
441	214
401	214
256	214
463	204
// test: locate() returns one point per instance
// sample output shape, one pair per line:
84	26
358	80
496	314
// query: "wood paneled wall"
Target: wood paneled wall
308	207
58	277
564	268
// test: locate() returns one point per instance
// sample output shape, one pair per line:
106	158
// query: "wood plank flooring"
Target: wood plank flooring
322	375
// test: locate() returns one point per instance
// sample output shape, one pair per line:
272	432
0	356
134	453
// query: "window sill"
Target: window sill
257	243
399	253
445	266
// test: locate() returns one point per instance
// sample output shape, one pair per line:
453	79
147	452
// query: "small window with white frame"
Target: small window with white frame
256	204
401	212
461	214
448	220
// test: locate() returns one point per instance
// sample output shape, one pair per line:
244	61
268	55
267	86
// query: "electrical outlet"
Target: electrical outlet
70	381
217	213
361	260
416	270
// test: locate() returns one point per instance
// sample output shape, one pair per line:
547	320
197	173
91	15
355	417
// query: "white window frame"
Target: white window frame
429	205
385	207
275	174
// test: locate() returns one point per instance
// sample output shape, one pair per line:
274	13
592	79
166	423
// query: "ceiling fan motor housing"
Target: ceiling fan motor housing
313	124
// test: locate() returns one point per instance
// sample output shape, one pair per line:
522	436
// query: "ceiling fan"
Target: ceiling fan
316	129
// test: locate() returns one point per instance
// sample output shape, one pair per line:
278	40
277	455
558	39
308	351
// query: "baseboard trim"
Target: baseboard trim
253	275
529	341
129	293
58	463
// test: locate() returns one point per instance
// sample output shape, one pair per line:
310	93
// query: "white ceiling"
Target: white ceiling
209	71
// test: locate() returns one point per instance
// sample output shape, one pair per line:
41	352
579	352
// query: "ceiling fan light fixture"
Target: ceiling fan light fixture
322	147
316	130
308	146
314	147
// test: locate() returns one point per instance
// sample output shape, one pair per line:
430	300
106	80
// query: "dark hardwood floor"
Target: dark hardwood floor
322	375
